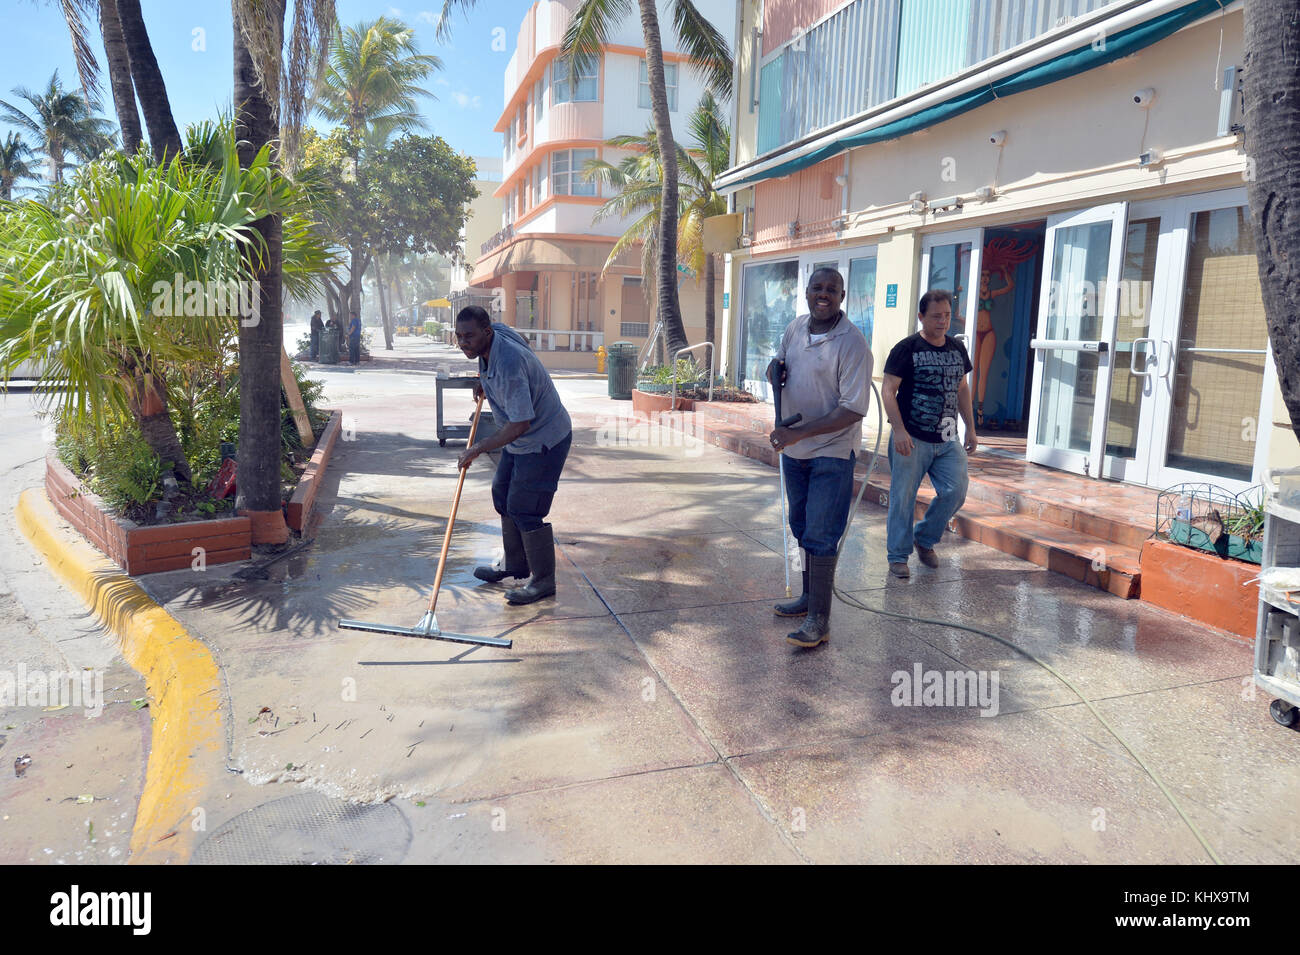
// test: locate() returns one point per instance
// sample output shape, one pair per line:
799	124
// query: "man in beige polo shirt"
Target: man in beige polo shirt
827	379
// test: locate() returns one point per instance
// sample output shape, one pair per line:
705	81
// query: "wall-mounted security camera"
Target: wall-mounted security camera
918	202
841	180
985	193
1144	97
998	138
1150	157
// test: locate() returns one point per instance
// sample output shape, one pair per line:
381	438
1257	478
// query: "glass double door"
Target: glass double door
1152	364
773	294
1193	379
858	267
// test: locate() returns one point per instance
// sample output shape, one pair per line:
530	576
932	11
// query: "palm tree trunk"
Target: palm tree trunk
146	76
260	340
149	406
119	76
1272	119
670	309
383	307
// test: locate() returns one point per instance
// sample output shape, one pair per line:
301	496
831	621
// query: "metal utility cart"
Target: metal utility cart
445	430
1277	635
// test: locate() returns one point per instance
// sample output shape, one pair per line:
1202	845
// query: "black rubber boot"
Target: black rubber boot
816	627
797	607
540	547
515	563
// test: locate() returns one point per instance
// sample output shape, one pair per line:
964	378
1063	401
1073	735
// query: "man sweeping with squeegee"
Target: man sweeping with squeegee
822	373
534	438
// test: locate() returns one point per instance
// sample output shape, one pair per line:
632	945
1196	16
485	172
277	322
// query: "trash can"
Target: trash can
620	366
329	347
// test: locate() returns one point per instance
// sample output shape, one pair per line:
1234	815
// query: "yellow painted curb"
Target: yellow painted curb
188	741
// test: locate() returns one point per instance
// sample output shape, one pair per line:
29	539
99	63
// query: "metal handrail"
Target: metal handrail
682	351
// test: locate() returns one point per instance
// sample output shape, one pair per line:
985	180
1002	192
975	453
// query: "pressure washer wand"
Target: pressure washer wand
775	377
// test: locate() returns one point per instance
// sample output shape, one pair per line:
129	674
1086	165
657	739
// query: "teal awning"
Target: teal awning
1087	57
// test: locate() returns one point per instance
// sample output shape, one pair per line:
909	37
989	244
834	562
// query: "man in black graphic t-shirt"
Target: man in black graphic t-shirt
925	390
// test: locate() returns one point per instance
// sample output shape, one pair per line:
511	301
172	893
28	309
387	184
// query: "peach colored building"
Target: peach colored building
545	269
1073	169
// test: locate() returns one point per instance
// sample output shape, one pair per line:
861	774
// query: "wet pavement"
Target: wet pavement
74	734
652	712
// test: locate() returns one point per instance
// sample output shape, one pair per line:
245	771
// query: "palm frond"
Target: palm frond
589	30
710	57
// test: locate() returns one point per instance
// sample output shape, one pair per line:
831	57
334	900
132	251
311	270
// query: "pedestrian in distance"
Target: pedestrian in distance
354	339
317	329
534	443
823	367
925	390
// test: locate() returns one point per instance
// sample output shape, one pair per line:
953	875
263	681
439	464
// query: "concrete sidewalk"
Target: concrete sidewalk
653	711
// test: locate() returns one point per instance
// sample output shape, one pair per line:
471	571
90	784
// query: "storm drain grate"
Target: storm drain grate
309	829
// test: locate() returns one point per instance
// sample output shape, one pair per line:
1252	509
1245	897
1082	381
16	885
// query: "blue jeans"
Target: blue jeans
525	484
354	347
819	492
946	464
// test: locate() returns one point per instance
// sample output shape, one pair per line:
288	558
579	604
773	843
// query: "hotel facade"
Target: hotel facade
1073	170
545	268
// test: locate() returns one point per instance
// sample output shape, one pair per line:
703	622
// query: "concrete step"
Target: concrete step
1101	562
1003	487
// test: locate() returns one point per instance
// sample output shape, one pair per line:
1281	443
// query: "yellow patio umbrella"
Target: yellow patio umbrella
438	303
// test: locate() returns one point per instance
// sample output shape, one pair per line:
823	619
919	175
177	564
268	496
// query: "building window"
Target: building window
566	173
634	329
539	99
670	82
568	85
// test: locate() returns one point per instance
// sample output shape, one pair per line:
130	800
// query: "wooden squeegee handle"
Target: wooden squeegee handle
455	503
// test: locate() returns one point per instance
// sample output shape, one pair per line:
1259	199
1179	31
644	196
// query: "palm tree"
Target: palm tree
710	59
88	279
370	85
1272	120
711	143
63	122
14	165
75	13
268	93
638	178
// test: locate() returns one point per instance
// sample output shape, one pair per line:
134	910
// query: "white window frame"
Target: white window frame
569	181
643	86
564	89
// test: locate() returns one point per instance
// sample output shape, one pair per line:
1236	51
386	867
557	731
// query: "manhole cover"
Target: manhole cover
309	829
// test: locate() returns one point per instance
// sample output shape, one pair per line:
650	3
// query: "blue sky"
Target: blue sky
192	40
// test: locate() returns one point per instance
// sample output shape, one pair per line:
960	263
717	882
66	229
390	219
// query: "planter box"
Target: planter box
647	403
300	507
138	549
1230	545
1200	585
155	548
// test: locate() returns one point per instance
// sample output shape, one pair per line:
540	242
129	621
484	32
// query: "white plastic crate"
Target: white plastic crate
1277	636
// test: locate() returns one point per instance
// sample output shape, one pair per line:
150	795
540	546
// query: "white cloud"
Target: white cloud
394	12
466	101
428	16
442	82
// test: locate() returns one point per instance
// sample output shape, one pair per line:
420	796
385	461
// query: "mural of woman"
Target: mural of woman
1000	256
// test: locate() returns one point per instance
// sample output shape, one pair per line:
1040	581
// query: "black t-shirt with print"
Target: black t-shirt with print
930	377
